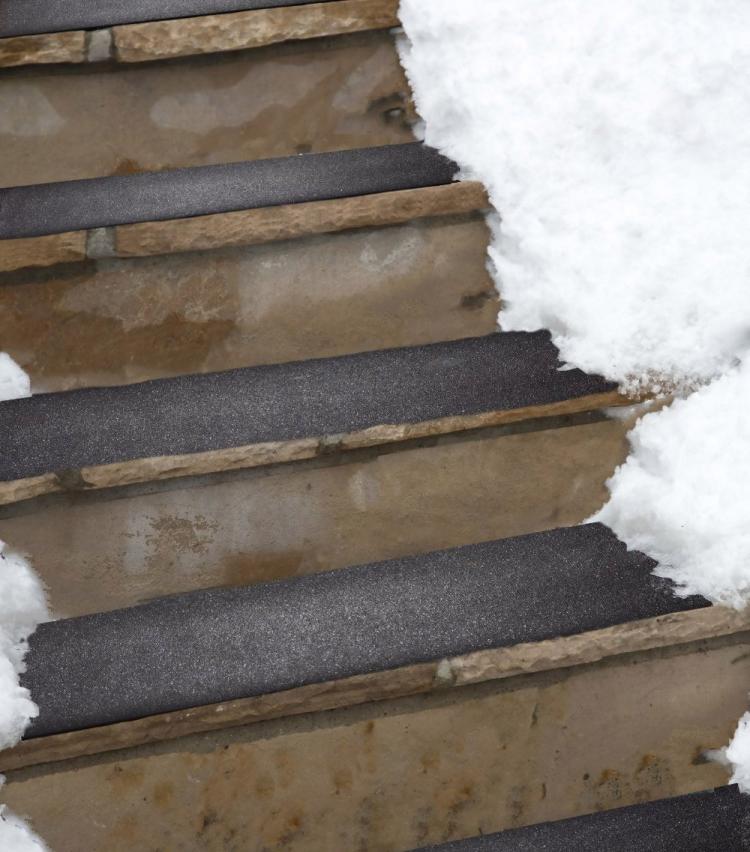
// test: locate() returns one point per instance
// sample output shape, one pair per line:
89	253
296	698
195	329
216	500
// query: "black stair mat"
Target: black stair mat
714	821
33	17
326	397
75	205
217	645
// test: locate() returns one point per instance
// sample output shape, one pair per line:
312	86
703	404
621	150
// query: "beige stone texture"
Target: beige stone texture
398	775
114	321
42	251
241	30
287	221
100	551
103	119
43	49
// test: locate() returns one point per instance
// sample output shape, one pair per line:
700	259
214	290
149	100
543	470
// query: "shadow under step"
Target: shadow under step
208	207
701	822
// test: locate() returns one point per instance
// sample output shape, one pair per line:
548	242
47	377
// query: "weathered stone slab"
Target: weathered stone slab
321	95
250	227
43	49
42	251
242	30
105	322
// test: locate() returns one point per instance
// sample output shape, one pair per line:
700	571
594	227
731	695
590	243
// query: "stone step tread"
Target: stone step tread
61	207
698	822
242	418
33	17
220	645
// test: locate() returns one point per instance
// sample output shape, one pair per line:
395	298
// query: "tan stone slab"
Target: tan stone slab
42	251
267	224
494	664
105	550
105	322
243	30
411	772
305	96
43	49
280	452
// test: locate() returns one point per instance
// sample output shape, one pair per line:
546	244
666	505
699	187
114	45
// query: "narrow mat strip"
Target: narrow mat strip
53	208
34	17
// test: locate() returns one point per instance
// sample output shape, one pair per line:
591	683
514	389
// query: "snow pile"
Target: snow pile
15	836
14	383
682	495
22	606
614	140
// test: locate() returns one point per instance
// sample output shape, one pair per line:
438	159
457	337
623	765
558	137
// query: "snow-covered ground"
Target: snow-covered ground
22	606
614	140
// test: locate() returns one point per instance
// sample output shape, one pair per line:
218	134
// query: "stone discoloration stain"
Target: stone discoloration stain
403	774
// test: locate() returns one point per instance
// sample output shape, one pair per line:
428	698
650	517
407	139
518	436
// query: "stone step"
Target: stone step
235	477
699	822
361	250
321	77
465	692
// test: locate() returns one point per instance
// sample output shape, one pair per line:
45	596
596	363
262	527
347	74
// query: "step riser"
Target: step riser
321	95
401	774
106	322
97	553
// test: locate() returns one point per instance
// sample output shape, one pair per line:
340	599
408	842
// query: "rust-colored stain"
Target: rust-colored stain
242	569
163	794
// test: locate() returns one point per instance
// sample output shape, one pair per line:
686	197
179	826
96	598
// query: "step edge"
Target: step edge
160	468
250	227
673	629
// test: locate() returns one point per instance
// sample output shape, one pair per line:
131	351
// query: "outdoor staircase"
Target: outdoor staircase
264	351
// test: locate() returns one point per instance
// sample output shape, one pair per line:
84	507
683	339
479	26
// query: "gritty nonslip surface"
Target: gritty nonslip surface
713	821
282	402
52	208
216	645
30	17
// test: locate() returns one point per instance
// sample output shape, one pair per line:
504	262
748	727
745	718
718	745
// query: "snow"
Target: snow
23	605
15	836
682	497
613	140
737	754
14	383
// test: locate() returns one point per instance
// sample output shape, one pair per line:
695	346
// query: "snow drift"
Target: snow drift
613	140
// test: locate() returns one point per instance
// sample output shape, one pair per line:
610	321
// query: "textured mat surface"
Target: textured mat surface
195	413
216	645
29	17
715	821
51	208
